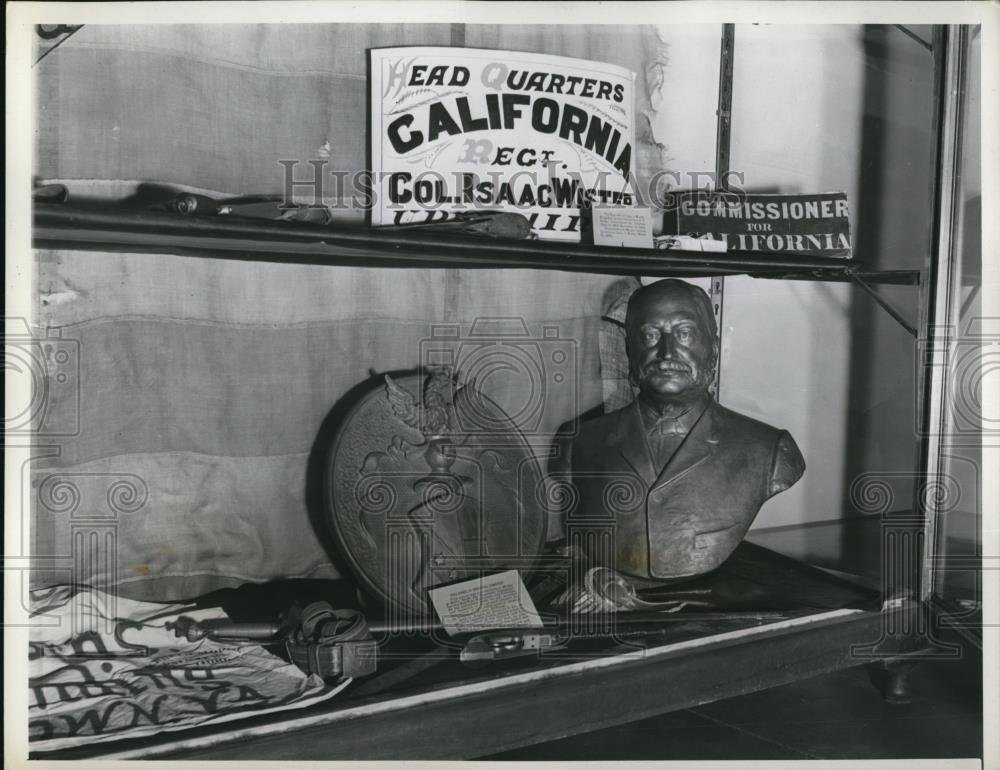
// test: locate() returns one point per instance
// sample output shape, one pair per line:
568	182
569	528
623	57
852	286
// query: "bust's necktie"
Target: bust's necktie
665	433
668	426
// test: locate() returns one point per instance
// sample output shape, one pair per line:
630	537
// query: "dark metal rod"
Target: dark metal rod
382	237
604	624
724	114
351	256
887	277
913	35
288	242
322	254
58	43
724	110
885	305
967	302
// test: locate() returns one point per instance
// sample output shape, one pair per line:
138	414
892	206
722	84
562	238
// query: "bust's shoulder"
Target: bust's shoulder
736	424
605	424
787	463
592	434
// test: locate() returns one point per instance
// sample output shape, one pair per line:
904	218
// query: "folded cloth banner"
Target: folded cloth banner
104	668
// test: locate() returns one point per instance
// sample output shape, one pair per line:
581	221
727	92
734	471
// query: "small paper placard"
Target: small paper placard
630	227
484	604
687	243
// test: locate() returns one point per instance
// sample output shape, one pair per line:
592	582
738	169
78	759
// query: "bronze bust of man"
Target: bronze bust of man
668	486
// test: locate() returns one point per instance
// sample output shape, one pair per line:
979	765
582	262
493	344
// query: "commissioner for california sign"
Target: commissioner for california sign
455	130
817	224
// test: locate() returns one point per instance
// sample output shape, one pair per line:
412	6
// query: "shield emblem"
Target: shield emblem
429	482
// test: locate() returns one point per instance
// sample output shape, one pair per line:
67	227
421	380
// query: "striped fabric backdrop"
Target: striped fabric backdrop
203	384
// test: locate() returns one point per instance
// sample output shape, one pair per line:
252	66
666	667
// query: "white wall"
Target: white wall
832	108
797	100
684	107
816	108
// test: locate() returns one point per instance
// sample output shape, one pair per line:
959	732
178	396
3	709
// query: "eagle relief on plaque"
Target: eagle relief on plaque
429	482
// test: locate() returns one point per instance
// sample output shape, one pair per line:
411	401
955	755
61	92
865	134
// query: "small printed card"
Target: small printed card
630	227
484	604
687	243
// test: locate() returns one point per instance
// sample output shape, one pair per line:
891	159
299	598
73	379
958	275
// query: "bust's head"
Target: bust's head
672	341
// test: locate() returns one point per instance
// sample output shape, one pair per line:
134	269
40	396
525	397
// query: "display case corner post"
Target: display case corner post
950	51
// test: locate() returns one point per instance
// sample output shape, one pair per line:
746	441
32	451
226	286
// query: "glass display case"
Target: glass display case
264	327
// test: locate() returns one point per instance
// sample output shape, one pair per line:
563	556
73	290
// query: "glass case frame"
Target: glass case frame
911	544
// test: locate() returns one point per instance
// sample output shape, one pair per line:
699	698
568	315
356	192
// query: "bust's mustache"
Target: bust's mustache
666	365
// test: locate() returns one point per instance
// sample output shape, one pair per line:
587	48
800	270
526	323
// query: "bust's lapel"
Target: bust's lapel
698	446
631	442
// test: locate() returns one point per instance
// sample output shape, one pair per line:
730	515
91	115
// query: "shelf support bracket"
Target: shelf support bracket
882	302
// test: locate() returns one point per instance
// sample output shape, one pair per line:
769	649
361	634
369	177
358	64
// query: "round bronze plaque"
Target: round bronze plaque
429	482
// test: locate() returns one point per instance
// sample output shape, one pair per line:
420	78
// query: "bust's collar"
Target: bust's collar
653	415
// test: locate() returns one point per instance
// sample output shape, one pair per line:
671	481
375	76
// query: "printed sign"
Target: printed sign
817	225
484	604
455	130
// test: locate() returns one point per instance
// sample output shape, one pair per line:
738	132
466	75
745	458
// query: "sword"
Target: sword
512	643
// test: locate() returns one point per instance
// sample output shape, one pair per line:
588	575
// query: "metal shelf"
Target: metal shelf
66	226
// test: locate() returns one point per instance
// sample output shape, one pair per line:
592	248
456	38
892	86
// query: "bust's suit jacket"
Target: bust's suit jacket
681	519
